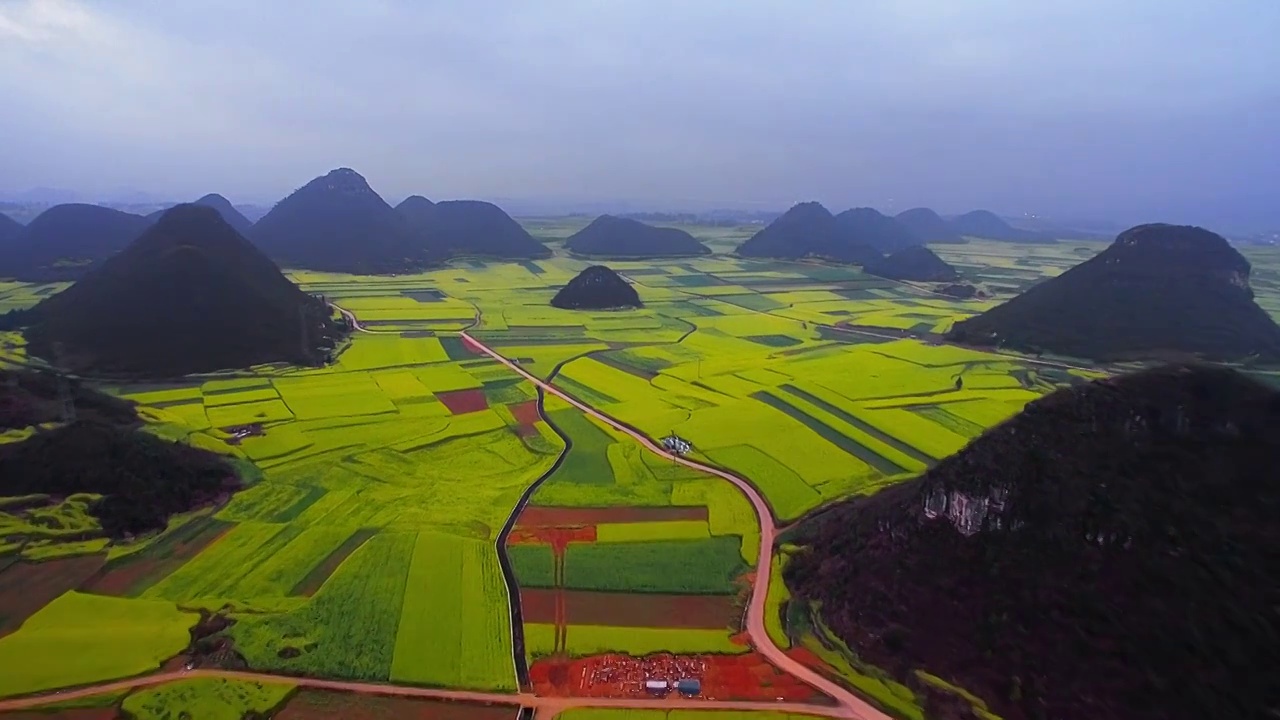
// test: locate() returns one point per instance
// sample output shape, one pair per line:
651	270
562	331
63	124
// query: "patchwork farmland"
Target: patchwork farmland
424	517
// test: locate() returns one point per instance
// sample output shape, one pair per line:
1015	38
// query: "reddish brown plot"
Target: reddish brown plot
25	587
723	677
585	607
318	704
461	402
134	573
556	537
525	413
565	516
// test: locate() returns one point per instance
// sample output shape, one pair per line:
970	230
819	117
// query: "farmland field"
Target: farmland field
370	547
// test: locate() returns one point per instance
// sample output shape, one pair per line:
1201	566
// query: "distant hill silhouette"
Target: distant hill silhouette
474	227
337	223
1120	533
10	229
190	295
929	226
224	207
417	210
917	263
1156	289
66	241
613	236
807	230
988	225
868	226
596	288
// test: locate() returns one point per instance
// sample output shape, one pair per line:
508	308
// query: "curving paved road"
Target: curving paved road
853	706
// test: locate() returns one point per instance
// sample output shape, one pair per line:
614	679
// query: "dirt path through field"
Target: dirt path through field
545	707
854	706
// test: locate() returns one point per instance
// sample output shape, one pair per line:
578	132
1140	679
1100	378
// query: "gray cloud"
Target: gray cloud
1136	109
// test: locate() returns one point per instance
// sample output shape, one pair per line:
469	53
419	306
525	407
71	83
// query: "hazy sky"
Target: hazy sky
1141	109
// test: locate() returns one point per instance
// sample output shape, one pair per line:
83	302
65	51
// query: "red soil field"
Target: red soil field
557	538
134	573
313	704
562	516
585	607
461	402
25	587
525	413
109	713
724	677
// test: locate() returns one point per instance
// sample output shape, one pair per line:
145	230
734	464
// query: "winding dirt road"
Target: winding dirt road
548	705
853	706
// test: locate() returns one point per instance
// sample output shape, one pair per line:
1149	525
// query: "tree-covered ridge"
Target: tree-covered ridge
1158	289
1107	553
189	295
596	288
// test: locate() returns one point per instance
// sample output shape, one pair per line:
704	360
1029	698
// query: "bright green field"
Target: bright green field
370	543
80	638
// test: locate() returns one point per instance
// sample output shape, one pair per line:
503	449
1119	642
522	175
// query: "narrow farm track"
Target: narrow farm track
853	706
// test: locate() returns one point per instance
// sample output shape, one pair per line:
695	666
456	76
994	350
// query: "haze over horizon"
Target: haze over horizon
1140	111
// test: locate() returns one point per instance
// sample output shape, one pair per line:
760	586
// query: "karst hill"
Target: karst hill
67	241
807	230
337	223
611	236
472	228
869	227
596	288
1158	290
417	211
10	229
929	226
915	263
1120	534
190	295
987	225
229	212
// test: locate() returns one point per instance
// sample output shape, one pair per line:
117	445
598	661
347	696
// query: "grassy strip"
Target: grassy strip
316	577
883	437
831	435
696	567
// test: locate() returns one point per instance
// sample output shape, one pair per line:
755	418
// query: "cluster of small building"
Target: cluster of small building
658	674
675	444
684	686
